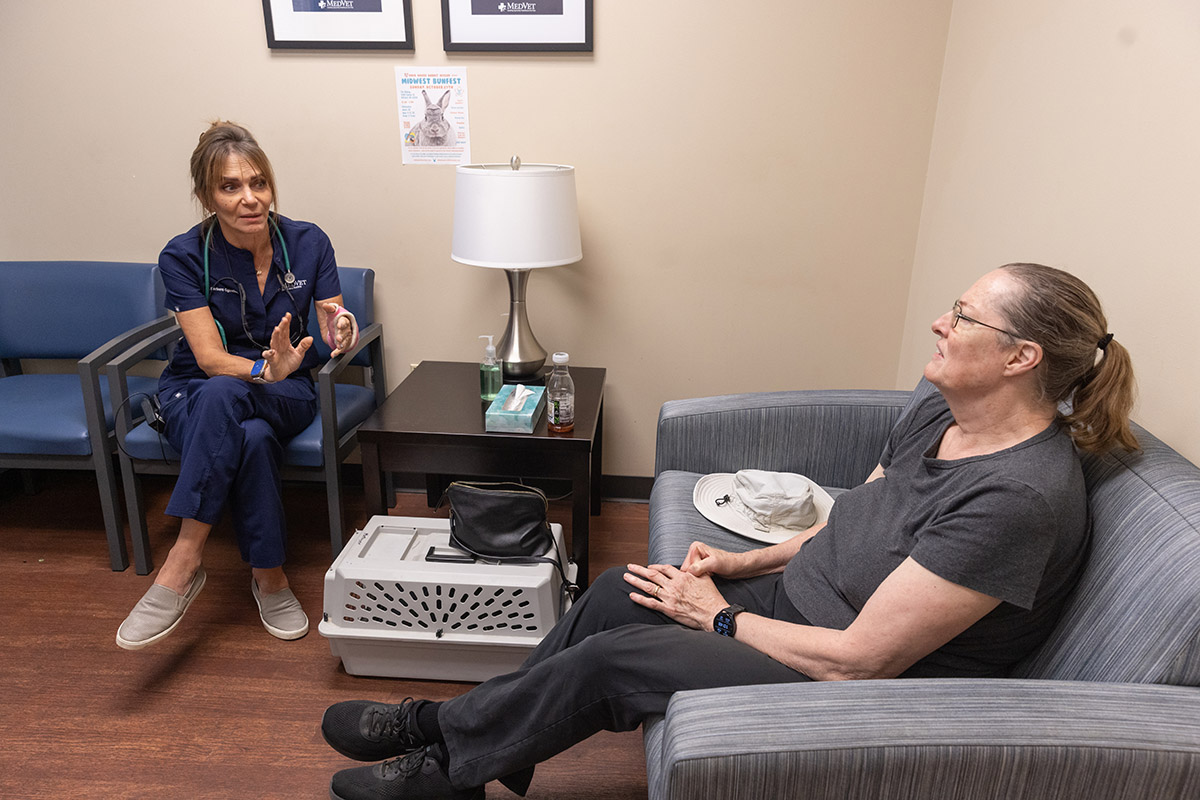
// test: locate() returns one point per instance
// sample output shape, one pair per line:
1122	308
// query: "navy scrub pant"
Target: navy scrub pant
229	433
607	665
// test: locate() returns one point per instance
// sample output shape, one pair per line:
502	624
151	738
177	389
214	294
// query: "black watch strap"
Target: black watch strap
724	622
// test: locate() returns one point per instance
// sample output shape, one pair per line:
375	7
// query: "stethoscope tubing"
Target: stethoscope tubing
285	283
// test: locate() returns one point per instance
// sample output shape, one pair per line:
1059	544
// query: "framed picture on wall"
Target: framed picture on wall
531	25
339	24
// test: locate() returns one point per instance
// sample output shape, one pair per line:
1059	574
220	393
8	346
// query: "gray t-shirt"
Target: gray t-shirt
1011	524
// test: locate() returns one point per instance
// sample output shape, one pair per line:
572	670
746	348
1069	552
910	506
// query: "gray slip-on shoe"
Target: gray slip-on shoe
157	614
281	613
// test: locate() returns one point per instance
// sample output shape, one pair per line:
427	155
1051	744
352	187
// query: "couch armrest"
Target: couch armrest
833	437
932	738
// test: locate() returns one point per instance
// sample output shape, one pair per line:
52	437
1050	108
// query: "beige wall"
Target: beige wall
749	176
1068	132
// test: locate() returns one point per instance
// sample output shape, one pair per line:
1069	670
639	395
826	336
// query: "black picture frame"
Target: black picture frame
331	29
506	29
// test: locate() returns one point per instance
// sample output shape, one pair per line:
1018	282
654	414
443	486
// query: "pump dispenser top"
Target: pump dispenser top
489	352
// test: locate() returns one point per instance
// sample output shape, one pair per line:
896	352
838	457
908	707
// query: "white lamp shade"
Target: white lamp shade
515	219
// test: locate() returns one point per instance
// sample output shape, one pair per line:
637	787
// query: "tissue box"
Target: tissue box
522	420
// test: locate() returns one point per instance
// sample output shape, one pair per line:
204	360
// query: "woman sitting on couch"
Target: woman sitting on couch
954	559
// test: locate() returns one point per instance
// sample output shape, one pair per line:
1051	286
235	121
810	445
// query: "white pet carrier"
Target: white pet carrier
390	612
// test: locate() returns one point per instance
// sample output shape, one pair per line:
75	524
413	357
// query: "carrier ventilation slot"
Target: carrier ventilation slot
442	609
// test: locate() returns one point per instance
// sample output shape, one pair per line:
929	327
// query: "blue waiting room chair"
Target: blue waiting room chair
54	416
315	454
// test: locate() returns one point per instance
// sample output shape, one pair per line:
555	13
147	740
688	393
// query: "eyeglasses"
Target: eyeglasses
956	314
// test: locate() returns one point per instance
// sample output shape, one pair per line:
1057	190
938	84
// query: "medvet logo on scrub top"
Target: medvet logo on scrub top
543	7
337	5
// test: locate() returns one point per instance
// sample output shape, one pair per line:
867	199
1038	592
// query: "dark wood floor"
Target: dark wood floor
220	709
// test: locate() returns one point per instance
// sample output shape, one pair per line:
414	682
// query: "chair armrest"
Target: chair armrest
966	738
89	376
143	340
369	337
833	437
91	364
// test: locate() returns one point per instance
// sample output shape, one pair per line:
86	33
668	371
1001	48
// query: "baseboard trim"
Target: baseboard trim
628	488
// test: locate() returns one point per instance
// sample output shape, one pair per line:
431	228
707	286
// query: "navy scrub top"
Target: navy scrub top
182	266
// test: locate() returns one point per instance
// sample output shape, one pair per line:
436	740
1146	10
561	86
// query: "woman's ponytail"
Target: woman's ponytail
1101	404
1082	365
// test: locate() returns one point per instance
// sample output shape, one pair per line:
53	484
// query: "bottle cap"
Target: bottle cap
560	358
490	350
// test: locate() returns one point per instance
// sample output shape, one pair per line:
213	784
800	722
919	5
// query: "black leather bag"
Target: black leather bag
499	520
504	522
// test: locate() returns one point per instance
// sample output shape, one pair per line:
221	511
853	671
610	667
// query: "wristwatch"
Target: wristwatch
258	371
724	622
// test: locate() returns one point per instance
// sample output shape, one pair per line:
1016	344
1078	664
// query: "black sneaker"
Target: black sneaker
419	775
367	731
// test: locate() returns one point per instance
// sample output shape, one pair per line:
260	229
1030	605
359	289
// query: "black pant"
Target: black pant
607	665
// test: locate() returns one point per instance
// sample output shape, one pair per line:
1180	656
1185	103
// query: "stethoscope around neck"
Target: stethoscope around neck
286	283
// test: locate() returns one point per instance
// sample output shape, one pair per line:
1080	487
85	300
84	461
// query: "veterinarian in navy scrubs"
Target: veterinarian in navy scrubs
242	284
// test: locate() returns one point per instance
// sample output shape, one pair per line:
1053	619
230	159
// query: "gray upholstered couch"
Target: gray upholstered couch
1107	708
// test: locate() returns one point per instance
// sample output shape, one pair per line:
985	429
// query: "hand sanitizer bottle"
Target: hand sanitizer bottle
490	378
560	396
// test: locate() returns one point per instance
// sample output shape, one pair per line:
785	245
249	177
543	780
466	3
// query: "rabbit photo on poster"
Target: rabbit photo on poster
435	130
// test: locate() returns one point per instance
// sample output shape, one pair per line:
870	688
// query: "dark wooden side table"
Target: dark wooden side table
432	424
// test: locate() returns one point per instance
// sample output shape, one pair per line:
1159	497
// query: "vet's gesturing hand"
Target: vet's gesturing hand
282	358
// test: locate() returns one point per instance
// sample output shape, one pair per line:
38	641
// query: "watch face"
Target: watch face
257	370
724	622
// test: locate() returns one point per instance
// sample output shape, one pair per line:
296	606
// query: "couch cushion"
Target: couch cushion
675	523
1135	616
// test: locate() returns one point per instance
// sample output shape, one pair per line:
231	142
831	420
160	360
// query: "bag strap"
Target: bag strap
569	588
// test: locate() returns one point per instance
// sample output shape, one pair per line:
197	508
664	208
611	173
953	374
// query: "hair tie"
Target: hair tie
1103	343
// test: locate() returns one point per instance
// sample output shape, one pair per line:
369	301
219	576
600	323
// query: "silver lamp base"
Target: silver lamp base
518	348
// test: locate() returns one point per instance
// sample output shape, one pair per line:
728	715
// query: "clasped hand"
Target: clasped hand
343	330
687	594
689	599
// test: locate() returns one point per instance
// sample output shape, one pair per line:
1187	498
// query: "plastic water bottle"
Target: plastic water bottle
560	394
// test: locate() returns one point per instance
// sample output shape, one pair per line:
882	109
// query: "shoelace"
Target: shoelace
406	766
395	723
